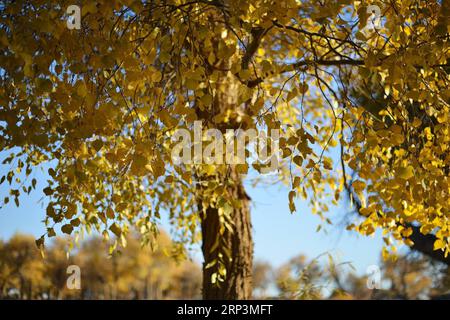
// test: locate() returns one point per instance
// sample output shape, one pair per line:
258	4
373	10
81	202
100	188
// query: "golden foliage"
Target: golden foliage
102	103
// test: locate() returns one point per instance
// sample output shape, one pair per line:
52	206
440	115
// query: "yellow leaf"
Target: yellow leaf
291	201
110	213
82	90
439	244
115	229
405	172
291	95
358	185
156	76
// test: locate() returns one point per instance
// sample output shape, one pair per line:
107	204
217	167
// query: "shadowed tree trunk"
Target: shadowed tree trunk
238	281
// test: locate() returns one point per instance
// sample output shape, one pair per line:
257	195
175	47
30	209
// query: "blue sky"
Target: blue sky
278	234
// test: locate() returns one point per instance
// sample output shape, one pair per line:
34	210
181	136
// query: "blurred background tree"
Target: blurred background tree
133	273
408	276
263	274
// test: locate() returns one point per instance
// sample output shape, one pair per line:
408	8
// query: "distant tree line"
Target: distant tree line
133	273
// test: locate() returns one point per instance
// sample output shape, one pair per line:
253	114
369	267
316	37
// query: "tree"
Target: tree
300	279
133	273
103	105
57	260
262	276
22	271
405	276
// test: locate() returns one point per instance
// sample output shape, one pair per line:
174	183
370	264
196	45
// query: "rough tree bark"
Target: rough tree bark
238	282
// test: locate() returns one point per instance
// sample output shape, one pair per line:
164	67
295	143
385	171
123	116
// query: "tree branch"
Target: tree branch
257	34
321	62
424	244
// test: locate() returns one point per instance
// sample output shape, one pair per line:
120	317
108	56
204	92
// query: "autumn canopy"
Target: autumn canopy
362	102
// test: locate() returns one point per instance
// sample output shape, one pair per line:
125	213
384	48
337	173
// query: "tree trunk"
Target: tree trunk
238	280
237	283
